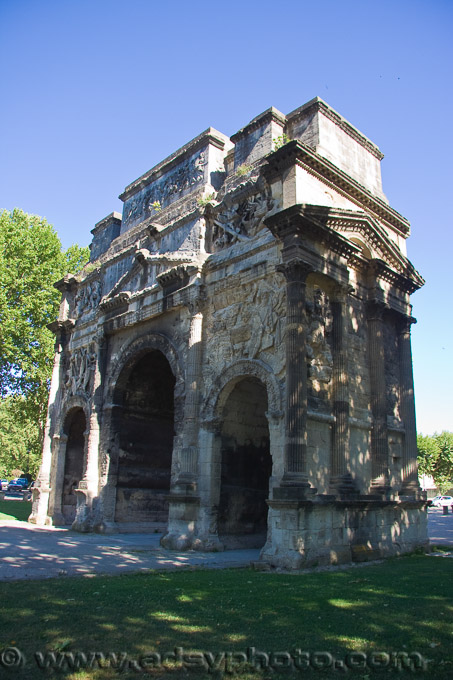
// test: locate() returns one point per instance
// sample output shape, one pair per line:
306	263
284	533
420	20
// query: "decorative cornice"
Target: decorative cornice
381	270
296	152
65	327
120	300
176	276
305	220
67	283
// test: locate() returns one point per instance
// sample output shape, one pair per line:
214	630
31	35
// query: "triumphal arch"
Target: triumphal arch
233	367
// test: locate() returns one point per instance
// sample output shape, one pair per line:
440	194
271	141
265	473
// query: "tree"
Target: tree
20	441
435	458
31	260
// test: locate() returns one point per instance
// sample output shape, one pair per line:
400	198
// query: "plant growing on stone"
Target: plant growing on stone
206	200
156	206
243	170
280	141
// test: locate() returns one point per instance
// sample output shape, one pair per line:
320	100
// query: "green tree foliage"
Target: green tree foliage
20	439
435	458
31	260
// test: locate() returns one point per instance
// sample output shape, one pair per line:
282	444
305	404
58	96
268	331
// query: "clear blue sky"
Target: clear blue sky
96	92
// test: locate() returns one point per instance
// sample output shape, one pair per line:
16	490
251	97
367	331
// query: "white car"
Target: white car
440	501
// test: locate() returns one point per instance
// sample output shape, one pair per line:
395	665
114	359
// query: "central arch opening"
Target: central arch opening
145	428
74	429
246	465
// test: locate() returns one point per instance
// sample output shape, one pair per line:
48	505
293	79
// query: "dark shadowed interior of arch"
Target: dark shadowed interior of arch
246	466
73	464
145	427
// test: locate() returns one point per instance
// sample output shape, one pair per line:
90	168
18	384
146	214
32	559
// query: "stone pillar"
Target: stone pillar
55	511
88	489
409	477
189	455
207	537
295	465
104	513
42	488
379	434
183	513
341	482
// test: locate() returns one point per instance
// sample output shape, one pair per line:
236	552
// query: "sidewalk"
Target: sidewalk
30	552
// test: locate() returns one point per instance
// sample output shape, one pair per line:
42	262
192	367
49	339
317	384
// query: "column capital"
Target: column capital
295	270
196	303
340	291
404	323
375	310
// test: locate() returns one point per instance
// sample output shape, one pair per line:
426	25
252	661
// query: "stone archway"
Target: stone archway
74	429
144	424
246	465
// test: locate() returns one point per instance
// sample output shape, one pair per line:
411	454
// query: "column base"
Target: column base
411	491
293	493
186	485
182	520
343	487
382	490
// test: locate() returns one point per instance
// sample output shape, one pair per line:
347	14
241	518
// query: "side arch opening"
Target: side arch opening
74	429
144	424
246	466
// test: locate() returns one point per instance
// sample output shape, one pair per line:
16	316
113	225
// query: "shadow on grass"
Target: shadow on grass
401	606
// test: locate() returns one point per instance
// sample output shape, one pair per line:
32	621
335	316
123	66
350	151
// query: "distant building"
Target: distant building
234	365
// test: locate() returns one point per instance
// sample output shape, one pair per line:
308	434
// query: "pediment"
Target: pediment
147	270
354	234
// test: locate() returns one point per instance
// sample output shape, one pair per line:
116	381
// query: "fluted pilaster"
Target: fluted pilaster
341	482
379	431
409	476
295	474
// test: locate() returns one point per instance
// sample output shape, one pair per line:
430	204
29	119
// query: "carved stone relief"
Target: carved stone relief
241	221
319	353
80	371
88	297
392	376
250	325
173	183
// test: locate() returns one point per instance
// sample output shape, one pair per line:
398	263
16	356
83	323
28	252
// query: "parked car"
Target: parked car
18	484
440	501
4	483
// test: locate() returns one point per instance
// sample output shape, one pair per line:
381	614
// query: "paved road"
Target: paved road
440	527
30	552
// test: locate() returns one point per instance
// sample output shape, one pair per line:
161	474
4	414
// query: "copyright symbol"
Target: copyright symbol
11	657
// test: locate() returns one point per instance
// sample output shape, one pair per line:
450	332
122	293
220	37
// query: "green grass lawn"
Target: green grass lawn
402	606
15	510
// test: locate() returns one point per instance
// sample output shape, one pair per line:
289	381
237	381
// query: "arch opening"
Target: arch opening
144	423
74	429
246	466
